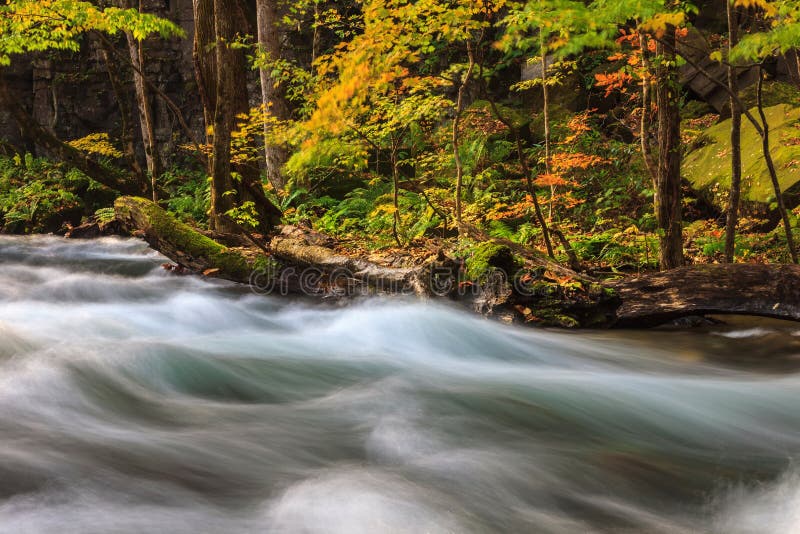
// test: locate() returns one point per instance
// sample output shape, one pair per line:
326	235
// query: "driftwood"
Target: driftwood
541	291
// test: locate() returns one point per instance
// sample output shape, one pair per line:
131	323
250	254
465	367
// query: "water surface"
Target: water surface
133	400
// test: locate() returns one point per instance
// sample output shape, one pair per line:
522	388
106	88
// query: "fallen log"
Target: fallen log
179	242
297	251
496	282
742	289
346	270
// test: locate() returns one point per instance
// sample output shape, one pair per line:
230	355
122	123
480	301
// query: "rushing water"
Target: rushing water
133	400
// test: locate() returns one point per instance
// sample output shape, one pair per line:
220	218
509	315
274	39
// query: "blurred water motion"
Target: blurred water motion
132	400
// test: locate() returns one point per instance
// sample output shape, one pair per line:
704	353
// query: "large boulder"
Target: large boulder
708	167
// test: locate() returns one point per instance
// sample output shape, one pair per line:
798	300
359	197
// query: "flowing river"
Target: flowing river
137	401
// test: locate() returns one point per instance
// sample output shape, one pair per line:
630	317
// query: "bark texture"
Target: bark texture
180	243
230	101
668	172
204	57
736	138
273	94
747	289
228	66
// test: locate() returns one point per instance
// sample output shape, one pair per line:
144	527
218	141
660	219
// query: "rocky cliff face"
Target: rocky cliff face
71	93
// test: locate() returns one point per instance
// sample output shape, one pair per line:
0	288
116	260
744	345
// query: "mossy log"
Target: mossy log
499	283
179	242
295	248
307	249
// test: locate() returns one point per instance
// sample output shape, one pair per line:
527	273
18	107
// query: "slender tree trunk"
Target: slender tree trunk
761	126
736	138
522	161
668	175
396	192
126	118
797	66
526	170
647	101
456	133
136	52
145	113
546	112
273	95
170	104
765	145
316	39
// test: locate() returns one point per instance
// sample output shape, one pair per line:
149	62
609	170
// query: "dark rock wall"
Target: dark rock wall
71	92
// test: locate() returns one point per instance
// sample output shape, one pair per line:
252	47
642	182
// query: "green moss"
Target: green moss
708	168
488	256
266	263
694	109
232	264
775	93
598	291
554	317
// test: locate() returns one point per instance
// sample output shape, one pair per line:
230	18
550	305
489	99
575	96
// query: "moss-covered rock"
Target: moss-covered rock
490	256
775	93
708	167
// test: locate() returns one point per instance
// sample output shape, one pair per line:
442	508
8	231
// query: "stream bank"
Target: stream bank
501	279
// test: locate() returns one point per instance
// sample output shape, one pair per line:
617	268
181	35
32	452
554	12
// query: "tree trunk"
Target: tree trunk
230	100
736	139
523	161
180	243
136	52
396	192
744	289
204	57
273	95
647	101
229	67
668	174
761	126
546	113
462	89
773	173
126	118
650	300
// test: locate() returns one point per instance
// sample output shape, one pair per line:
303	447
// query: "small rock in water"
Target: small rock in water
693	321
84	231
